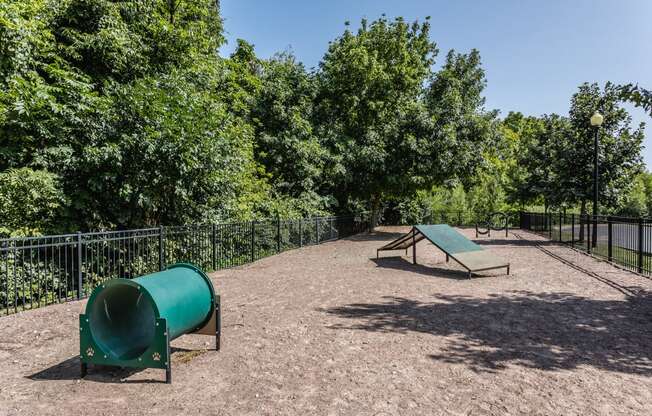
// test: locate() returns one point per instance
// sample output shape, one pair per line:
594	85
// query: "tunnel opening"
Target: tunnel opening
123	321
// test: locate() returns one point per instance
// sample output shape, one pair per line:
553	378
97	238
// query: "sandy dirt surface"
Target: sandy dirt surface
330	330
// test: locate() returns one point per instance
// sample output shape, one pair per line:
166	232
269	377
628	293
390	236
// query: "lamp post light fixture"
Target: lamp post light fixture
597	119
596	122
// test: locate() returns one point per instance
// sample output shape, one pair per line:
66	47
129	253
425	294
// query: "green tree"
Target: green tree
46	104
523	168
443	200
286	143
29	201
369	84
487	196
635	202
462	131
547	160
178	156
646	179
641	97
619	154
130	106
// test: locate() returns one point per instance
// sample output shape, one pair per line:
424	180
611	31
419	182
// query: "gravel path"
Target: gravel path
330	330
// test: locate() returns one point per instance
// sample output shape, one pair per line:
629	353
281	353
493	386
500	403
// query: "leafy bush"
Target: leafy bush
31	201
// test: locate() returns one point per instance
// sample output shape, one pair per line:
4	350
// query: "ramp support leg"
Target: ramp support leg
507	270
414	247
83	370
446	257
469	274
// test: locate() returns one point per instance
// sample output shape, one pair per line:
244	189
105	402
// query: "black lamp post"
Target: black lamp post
596	122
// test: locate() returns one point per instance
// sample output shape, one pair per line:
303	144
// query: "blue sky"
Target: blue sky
535	52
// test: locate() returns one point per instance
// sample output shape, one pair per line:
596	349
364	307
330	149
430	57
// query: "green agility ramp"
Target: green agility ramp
130	322
472	257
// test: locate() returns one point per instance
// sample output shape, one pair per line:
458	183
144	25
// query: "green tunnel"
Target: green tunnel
130	322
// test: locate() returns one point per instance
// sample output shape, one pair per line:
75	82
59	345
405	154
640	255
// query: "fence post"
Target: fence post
220	246
79	265
560	222
214	254
572	230
330	227
278	233
609	239
317	230
539	222
161	251
300	232
507	223
640	245
550	225
253	239
588	235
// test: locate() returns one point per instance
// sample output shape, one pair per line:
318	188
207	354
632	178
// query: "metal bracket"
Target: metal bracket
214	325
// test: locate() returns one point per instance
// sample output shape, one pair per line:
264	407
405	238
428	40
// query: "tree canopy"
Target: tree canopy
117	114
369	109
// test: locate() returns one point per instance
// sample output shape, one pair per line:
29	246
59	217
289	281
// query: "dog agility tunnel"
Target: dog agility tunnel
130	322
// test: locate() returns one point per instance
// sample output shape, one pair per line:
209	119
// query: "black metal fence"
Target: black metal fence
621	240
38	271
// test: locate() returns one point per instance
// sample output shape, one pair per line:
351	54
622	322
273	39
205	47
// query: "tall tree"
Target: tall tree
524	167
619	154
286	143
462	131
547	158
369	110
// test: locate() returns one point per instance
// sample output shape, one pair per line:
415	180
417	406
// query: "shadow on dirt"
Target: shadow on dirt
70	370
548	331
400	263
374	236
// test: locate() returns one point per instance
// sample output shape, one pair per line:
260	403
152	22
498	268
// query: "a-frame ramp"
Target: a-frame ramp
472	257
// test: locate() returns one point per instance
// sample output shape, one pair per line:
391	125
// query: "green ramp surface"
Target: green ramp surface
447	238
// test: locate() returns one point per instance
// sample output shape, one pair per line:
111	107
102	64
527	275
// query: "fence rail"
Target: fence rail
622	240
38	271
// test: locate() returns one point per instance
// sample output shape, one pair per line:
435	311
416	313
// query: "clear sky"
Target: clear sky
535	52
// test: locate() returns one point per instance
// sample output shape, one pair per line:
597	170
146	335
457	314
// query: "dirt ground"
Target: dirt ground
330	330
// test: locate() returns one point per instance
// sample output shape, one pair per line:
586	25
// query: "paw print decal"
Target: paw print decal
90	352
156	356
